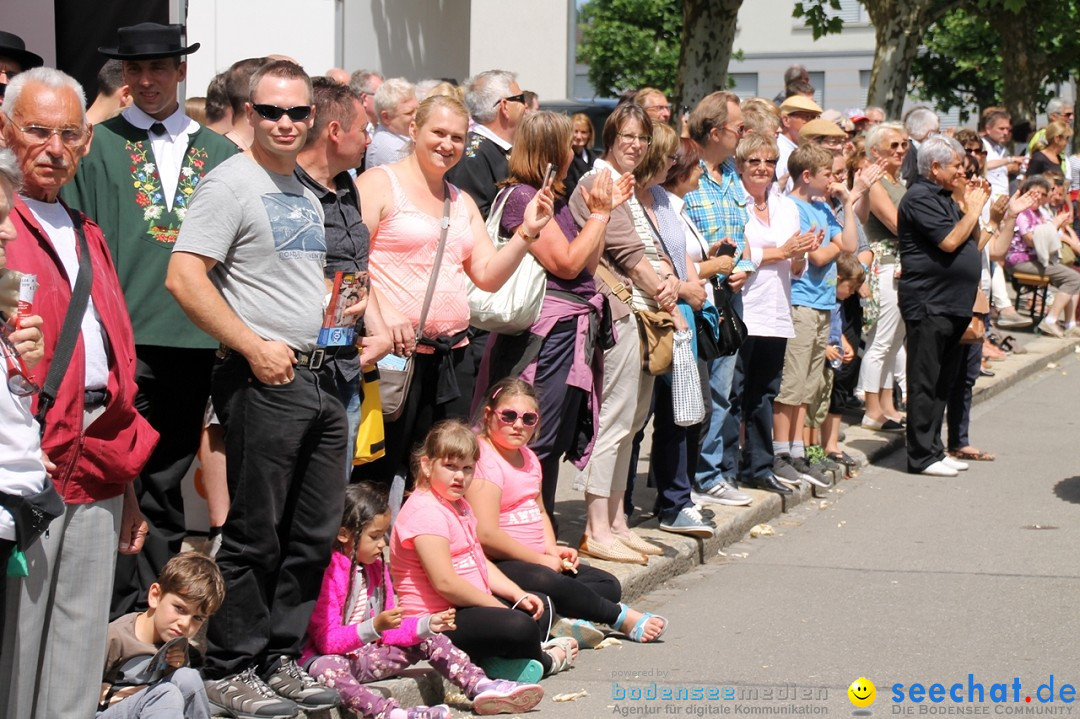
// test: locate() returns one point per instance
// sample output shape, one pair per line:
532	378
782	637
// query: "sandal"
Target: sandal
521	670
972	455
567	645
638	631
586	633
843	458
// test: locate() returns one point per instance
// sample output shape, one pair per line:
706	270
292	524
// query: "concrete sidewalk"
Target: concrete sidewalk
681	554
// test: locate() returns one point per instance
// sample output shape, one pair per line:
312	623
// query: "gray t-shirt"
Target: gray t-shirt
266	232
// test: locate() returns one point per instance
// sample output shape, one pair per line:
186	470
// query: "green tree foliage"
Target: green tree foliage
961	67
631	44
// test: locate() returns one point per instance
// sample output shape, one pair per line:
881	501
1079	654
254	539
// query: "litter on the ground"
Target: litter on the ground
570	696
761	530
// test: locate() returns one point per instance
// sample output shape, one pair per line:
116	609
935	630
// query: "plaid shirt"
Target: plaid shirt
719	209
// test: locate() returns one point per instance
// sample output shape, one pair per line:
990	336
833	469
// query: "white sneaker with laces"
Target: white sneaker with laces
722	493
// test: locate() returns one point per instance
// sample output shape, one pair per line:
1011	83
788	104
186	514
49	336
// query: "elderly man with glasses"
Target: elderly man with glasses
93	433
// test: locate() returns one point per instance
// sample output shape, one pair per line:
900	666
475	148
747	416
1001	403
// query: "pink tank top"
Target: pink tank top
403	255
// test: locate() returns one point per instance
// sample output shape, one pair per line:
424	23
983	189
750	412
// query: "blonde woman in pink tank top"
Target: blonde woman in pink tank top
402	205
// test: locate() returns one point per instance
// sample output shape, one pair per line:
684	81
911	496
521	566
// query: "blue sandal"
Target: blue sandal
586	633
638	631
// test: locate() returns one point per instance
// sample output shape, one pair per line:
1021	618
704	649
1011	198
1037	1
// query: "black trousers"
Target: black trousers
285	447
174	384
758	372
933	360
484	632
958	416
591	594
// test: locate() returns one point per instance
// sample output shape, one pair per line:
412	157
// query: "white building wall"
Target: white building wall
528	37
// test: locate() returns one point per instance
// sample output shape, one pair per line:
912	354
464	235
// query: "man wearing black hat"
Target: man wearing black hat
136	182
14	58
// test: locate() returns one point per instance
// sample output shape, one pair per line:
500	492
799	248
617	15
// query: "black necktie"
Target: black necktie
157	129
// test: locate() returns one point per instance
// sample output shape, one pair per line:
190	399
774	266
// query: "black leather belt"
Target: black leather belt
312	360
93	398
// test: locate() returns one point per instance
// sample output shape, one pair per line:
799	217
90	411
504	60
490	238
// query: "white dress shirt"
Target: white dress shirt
767	293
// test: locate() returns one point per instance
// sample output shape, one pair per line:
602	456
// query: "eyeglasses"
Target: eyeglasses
631	139
739	131
898	145
509	416
657	108
756	161
520	97
974	150
19	382
273	113
70	136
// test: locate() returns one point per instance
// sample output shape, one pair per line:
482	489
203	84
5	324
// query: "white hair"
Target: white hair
392	93
49	77
483	92
876	134
940	149
10	175
1056	105
921	122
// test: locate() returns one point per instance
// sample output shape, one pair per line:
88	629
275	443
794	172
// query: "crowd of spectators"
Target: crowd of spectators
860	264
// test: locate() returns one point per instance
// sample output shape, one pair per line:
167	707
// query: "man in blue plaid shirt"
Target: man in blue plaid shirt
718	208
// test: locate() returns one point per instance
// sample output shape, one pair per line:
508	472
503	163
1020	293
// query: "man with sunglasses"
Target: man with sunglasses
248	270
136	182
93	433
1057	110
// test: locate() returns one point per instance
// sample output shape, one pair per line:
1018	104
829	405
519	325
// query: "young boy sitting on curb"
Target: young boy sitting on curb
142	676
813	297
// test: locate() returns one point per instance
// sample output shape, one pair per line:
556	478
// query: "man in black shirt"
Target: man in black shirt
939	251
337	142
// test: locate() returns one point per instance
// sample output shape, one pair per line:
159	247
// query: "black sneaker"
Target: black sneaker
813	475
246	696
290	681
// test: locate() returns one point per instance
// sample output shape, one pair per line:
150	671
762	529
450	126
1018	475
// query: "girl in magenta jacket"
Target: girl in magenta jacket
357	635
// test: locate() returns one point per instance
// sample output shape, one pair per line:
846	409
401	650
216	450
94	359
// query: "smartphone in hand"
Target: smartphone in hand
725	250
549	176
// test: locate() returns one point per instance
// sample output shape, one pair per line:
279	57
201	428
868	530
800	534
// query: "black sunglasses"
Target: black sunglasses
520	97
509	416
273	113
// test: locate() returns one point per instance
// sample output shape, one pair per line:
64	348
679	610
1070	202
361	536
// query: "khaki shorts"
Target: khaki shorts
804	358
818	408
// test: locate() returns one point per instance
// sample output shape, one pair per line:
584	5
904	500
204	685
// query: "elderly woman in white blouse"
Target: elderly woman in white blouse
778	250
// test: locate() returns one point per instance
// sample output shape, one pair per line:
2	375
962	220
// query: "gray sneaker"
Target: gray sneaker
722	493
784	472
246	696
689	521
813	475
290	681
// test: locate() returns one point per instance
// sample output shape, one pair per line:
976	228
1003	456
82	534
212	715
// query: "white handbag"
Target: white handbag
514	307
688	406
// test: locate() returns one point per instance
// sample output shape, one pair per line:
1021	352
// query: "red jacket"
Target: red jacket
95	464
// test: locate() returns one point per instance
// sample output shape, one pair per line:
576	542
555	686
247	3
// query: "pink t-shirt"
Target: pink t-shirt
519	514
425	513
403	254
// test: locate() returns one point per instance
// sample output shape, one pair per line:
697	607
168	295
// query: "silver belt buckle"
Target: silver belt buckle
316	358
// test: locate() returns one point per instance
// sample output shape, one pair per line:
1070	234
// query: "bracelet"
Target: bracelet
598	216
519	600
528	240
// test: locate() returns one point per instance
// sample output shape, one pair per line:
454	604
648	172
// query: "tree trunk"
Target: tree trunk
898	29
708	36
1026	65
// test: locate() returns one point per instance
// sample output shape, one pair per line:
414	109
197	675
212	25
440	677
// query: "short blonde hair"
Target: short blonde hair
1057	129
665	141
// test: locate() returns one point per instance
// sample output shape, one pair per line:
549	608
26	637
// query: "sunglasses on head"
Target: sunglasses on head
274	113
509	416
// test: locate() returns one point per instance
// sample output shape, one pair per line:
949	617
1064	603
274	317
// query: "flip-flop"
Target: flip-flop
972	455
638	630
586	633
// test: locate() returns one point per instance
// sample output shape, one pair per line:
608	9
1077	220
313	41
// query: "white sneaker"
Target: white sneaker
955	463
722	493
940	469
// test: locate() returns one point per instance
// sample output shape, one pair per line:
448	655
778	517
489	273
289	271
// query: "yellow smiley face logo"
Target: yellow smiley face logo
862	692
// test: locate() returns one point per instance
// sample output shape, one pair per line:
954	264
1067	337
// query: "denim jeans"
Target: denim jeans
285	447
761	362
669	464
351	396
718	460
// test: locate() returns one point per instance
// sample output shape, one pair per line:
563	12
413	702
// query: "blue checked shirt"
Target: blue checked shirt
719	209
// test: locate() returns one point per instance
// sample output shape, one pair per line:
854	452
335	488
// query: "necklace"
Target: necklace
763	206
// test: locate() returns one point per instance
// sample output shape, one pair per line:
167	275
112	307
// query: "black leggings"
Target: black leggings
484	632
591	594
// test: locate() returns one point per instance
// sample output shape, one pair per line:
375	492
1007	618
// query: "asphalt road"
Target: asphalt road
897	578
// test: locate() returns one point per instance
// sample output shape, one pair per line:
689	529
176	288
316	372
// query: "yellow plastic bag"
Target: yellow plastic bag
371	439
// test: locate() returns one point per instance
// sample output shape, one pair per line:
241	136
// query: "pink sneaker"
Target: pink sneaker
501	696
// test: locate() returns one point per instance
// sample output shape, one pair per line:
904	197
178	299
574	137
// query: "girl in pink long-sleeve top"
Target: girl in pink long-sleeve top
356	634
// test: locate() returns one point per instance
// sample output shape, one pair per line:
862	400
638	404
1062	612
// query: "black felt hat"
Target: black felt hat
147	41
11	45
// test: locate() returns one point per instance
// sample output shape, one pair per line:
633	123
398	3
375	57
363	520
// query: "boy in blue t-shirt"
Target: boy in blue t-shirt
813	297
